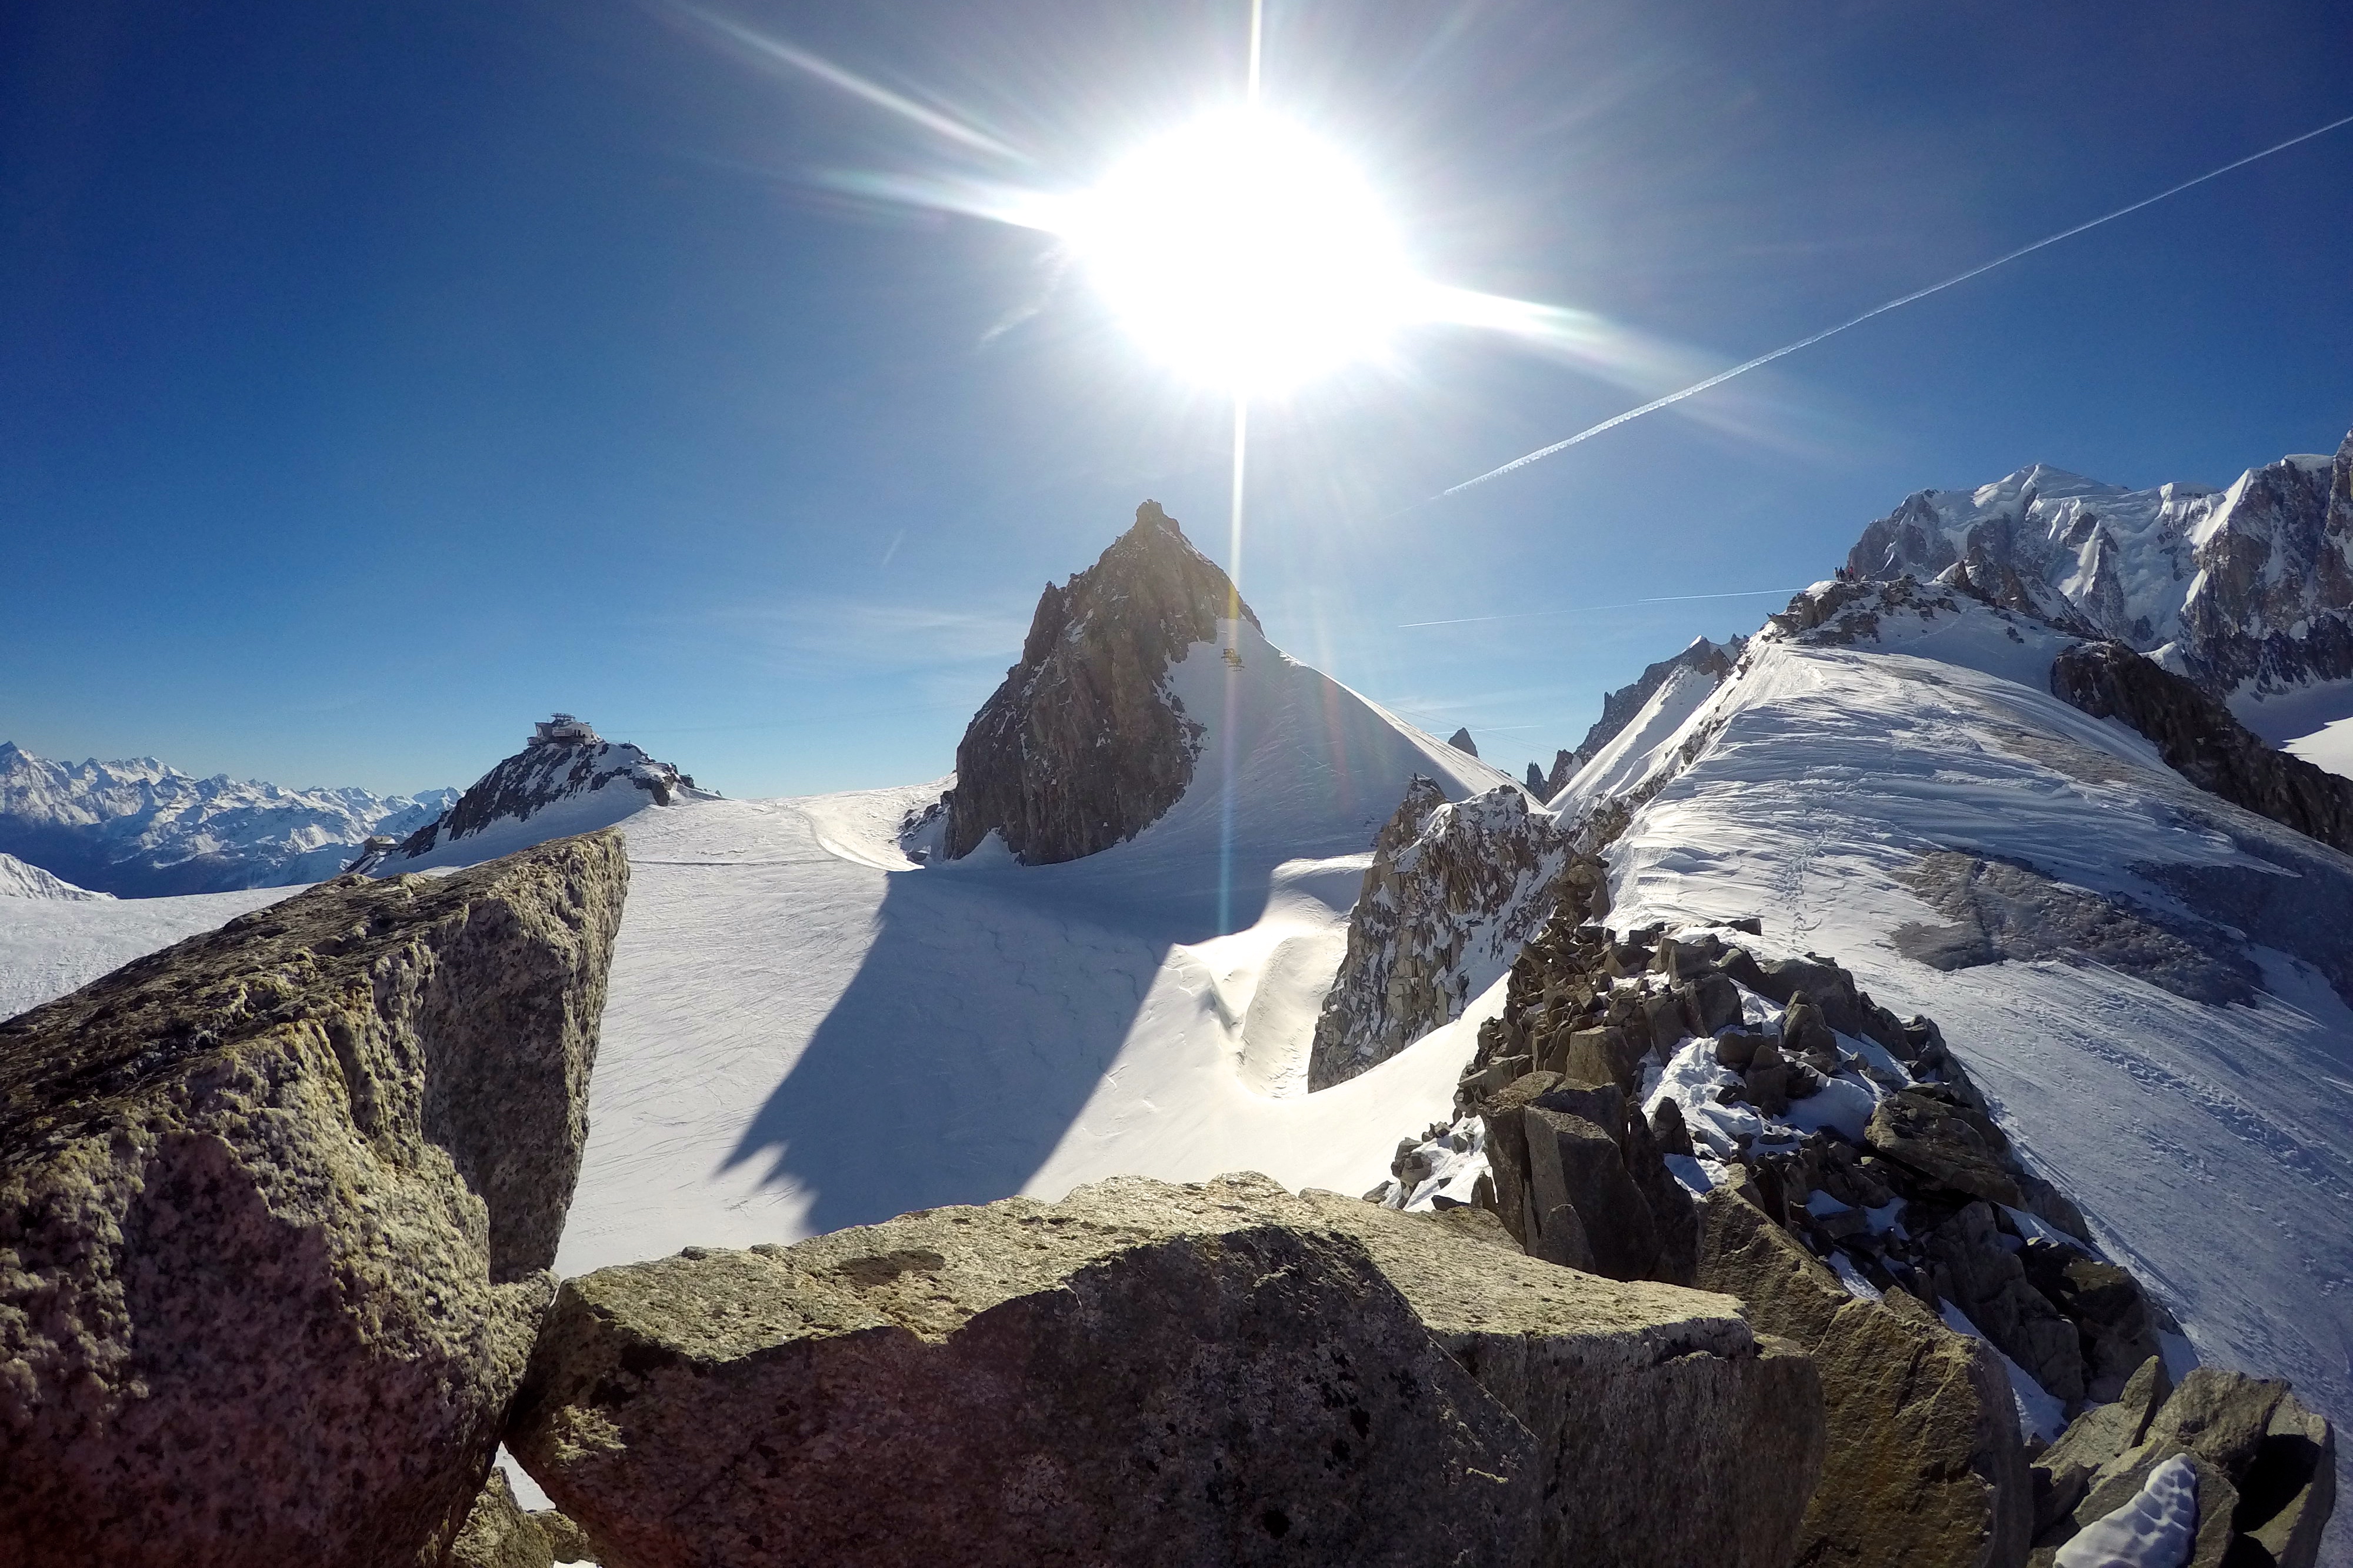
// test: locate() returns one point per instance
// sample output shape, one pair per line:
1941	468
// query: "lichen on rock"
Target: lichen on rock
276	1207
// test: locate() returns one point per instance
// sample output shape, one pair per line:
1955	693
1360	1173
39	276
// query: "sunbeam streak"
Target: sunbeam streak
1763	359
759	46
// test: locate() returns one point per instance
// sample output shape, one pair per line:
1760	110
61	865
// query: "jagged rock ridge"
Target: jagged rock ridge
563	763
1619	707
2247	591
1452	894
2201	739
141	828
1082	746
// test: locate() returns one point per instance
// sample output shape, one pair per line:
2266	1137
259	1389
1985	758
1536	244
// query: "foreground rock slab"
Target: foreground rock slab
1150	1374
275	1209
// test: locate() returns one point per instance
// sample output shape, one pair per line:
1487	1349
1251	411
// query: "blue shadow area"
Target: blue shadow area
990	1003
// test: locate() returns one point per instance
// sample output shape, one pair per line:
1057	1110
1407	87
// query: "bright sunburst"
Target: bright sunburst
1245	252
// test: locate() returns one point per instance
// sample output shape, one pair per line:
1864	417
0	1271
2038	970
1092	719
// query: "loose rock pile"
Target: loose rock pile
1859	1226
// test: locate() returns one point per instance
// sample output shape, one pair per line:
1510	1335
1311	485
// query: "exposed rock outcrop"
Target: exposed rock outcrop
498	1535
275	1209
2001	910
1621	1384
1454	892
1083	746
1924	1466
1156	1374
2199	739
565	761
1462	742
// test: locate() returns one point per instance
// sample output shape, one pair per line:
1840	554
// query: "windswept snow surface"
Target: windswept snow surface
1632	752
2211	1142
806	1030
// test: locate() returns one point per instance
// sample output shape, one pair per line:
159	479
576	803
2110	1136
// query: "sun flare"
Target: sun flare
1245	252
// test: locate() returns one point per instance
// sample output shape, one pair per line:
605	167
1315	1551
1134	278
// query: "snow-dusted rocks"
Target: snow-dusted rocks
1454	890
2264	1469
2247	591
1084	745
140	828
275	1209
1151	1374
2202	740
567	779
1898	768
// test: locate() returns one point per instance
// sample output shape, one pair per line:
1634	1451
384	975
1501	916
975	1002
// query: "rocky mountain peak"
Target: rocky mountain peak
562	759
1083	746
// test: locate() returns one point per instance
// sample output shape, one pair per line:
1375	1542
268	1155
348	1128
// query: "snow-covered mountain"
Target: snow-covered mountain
2151	983
567	779
140	828
1066	963
19	881
2248	590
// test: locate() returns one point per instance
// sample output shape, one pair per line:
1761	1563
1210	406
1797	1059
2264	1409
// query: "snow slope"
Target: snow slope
2211	1142
1631	753
19	881
805	1029
141	828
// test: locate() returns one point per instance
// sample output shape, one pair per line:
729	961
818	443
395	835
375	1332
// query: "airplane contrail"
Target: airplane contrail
1743	368
1580	609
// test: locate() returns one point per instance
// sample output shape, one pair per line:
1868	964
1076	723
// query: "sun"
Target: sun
1245	252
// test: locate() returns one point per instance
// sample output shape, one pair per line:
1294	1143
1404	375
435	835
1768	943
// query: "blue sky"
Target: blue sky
376	378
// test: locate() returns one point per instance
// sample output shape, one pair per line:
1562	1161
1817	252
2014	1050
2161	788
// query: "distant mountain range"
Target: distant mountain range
2248	591
141	828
